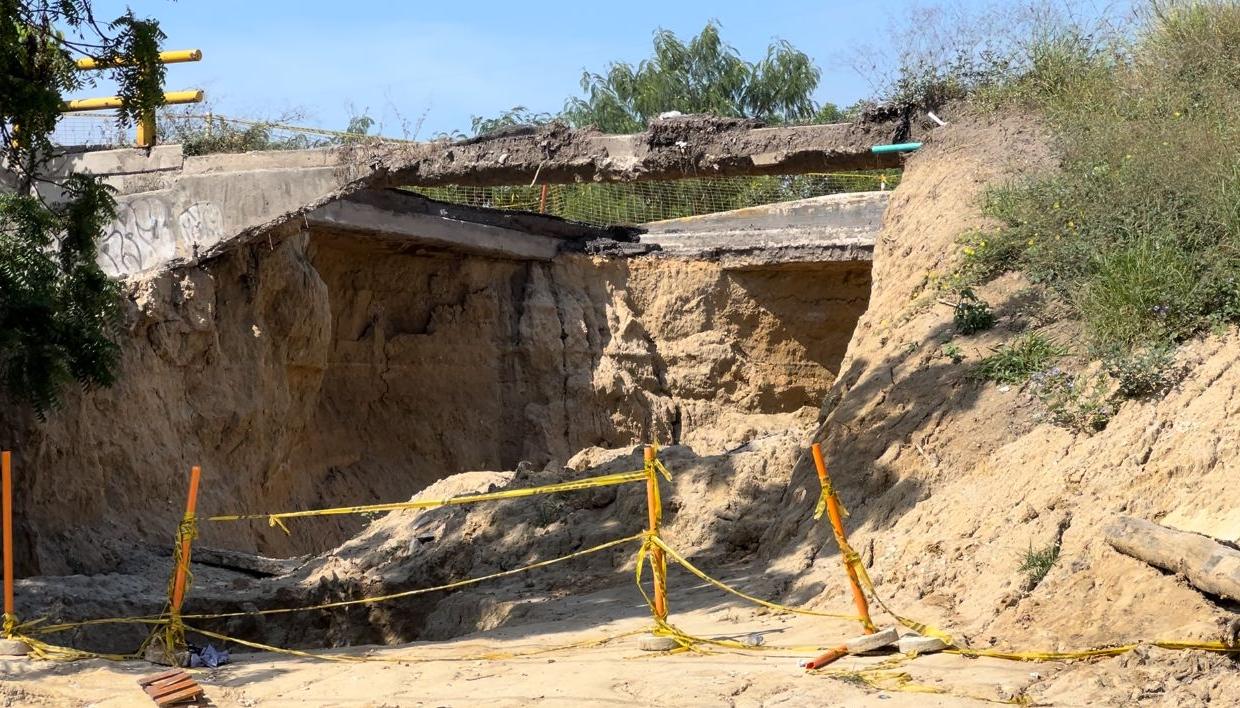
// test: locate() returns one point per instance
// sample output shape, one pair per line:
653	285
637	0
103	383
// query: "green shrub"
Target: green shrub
1139	229
1076	402
1036	564
1015	362
952	351
1143	373
972	314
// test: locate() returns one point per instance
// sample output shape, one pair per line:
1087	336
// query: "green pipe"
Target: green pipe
898	147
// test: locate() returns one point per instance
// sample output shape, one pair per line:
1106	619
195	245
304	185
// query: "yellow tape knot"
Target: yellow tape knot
274	521
828	491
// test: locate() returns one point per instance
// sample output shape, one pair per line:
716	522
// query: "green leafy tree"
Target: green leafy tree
58	310
703	75
511	118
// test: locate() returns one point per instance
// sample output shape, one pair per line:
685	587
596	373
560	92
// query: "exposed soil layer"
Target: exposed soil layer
952	480
318	370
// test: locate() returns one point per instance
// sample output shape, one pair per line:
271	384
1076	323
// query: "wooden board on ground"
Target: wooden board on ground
170	687
1208	565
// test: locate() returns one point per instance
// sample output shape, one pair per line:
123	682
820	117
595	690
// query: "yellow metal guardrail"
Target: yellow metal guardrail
146	124
174	57
95	104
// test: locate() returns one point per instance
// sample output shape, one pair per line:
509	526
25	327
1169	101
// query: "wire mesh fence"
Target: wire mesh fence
643	202
199	133
94	129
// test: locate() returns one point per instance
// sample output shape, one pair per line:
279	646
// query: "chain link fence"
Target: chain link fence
642	202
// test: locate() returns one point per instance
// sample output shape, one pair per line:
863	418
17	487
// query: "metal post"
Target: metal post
102	104
146	130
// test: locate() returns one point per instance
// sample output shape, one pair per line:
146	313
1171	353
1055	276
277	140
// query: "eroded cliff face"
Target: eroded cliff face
311	370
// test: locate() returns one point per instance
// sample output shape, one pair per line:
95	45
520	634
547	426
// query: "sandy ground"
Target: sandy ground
527	664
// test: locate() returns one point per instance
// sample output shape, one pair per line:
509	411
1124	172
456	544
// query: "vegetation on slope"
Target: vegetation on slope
1139	229
1136	234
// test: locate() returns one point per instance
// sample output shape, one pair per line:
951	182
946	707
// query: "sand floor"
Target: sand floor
521	665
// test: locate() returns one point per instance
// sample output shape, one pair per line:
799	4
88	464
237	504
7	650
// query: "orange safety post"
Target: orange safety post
182	571
833	511
657	561
6	473
833	655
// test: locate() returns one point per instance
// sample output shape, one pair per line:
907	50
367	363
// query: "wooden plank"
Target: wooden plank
1208	565
188	694
148	680
157	691
176	678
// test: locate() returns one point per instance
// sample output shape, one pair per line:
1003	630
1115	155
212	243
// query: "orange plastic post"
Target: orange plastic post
656	554
542	200
6	480
191	505
824	659
833	511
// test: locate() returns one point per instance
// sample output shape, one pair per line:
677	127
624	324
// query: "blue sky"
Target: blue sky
441	63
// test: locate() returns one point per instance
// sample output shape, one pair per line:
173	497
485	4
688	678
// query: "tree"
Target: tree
58	311
704	75
515	116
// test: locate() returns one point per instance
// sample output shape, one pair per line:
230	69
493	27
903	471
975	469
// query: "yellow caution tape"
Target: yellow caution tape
684	640
827	492
650	541
49	629
607	480
422	591
854	559
674	555
1092	652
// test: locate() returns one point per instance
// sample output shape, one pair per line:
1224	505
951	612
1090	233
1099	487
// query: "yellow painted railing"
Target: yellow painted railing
146	124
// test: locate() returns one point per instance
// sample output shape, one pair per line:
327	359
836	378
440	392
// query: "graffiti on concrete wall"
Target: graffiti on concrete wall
201	222
140	236
146	233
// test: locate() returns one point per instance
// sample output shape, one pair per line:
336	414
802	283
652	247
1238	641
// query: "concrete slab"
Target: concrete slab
837	227
174	210
917	644
872	642
433	231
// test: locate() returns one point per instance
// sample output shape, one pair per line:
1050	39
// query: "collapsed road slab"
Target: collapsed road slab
176	210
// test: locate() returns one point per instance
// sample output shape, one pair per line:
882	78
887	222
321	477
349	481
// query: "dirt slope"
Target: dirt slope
951	480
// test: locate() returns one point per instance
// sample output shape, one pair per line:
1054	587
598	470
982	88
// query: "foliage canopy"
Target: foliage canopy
701	75
58	310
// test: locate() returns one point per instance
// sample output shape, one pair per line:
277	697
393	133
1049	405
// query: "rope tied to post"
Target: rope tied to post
826	495
172	631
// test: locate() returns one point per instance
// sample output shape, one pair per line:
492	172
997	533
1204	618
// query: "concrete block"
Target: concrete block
872	642
917	644
655	643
